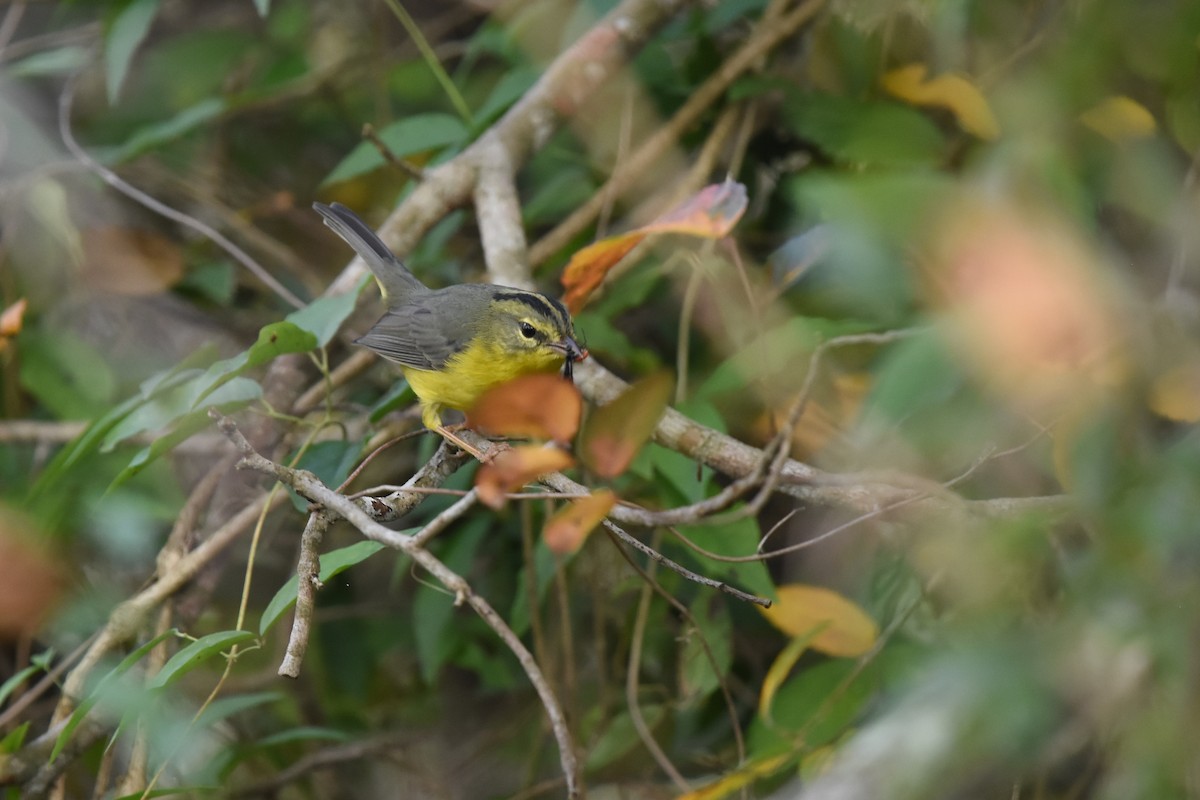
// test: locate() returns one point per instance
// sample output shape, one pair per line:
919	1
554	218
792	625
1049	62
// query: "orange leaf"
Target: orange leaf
711	213
800	609
12	318
615	432
514	468
566	530
129	261
32	580
536	406
952	92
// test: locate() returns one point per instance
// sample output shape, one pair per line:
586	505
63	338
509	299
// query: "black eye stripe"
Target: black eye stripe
550	309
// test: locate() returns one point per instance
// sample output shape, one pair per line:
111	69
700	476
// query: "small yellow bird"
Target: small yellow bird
454	344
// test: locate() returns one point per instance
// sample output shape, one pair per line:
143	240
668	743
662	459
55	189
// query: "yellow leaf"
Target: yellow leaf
1120	119
952	92
780	668
566	530
1176	394
727	785
800	609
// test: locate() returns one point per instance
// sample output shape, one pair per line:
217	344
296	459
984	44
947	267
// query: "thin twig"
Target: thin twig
686	614
309	486
649	551
407	167
632	675
65	101
764	39
446	518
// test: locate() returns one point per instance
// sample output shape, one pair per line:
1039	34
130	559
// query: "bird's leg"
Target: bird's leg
448	432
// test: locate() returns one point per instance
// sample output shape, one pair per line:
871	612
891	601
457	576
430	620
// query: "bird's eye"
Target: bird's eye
527	330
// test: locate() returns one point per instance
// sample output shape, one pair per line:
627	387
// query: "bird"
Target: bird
454	344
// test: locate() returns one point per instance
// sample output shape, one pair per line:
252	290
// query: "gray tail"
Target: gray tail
395	279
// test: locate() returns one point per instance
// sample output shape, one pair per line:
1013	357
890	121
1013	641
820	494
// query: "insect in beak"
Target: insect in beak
573	352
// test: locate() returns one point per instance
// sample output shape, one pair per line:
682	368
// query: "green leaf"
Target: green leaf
510	88
332	563
127	31
806	704
276	339
864	131
307	733
166	408
225	707
404	137
620	736
10	685
195	653
83	709
91	439
13	741
433	606
229	397
324	316
59	61
697	678
401	394
66	374
738	538
159	133
331	461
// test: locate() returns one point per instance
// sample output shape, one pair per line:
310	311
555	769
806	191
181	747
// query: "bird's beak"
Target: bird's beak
573	353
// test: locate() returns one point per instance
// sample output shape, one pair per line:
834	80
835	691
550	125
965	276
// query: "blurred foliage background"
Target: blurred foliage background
1002	193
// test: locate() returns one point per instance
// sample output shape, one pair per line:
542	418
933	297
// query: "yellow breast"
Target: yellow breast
467	375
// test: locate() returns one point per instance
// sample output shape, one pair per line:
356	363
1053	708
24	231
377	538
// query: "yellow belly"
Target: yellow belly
467	375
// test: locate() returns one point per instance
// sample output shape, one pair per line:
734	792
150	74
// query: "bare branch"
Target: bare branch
310	487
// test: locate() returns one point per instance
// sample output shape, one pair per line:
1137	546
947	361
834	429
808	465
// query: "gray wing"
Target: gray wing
425	332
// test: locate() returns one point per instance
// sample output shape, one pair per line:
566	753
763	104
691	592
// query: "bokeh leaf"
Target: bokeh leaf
515	467
615	432
1120	119
538	406
952	92
125	34
566	531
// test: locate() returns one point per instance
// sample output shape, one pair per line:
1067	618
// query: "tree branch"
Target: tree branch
309	486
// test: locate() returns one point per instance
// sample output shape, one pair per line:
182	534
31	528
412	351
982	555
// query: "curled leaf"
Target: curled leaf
711	213
800	609
566	531
952	92
615	432
532	406
514	468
